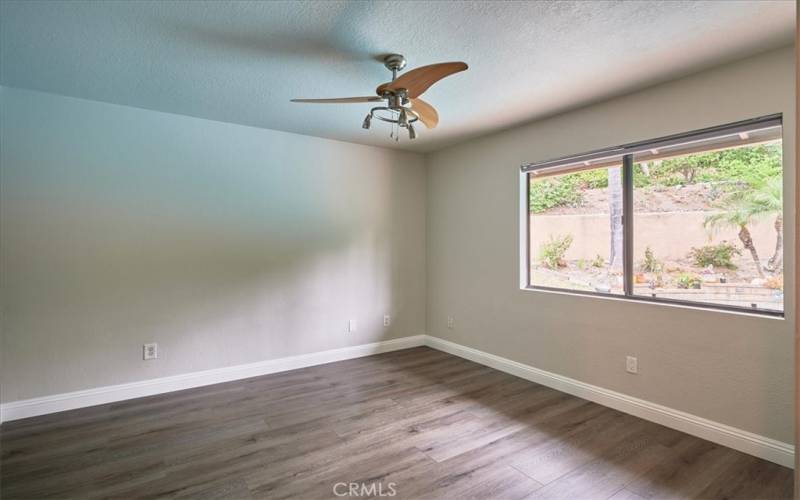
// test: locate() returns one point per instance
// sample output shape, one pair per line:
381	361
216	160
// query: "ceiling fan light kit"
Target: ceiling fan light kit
403	106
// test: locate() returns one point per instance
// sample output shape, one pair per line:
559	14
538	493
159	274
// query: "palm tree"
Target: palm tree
766	202
737	217
742	209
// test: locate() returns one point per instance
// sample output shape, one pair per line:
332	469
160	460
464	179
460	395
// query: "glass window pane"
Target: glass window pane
708	226
576	230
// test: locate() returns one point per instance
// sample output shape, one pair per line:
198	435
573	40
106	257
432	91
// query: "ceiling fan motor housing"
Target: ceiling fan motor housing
394	62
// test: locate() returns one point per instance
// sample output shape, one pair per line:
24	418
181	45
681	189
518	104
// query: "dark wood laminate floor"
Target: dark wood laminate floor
418	422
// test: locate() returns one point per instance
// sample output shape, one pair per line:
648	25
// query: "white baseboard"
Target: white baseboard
738	439
747	442
109	394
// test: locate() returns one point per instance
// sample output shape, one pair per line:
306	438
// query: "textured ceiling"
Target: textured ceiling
242	61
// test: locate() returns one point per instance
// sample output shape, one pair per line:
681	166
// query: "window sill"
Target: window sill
761	313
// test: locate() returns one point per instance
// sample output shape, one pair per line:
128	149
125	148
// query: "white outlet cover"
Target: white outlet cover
150	351
352	325
387	320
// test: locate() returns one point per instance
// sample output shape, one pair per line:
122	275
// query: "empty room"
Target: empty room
427	249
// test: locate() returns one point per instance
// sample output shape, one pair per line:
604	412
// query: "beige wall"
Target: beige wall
670	234
727	367
223	243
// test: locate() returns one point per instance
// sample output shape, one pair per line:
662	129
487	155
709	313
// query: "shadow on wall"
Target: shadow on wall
290	38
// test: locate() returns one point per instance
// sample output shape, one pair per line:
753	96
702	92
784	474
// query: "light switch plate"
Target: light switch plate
632	364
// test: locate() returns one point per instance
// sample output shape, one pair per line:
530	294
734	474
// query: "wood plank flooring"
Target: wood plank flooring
418	423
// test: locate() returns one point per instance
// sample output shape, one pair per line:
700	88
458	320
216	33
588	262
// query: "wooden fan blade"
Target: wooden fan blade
341	100
426	113
418	80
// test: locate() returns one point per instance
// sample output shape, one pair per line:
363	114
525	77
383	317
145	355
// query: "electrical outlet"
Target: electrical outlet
387	320
150	351
632	364
351	326
451	322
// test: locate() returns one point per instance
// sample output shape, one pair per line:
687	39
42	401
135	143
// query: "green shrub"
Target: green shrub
720	255
554	192
730	169
640	180
552	252
689	280
565	190
651	264
599	261
592	179
749	166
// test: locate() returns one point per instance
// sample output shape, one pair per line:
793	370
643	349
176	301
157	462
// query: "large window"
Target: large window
689	219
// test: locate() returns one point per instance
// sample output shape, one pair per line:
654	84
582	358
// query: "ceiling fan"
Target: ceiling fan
403	105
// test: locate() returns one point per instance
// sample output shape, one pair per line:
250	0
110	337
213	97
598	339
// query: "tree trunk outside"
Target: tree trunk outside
747	242
775	262
615	209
